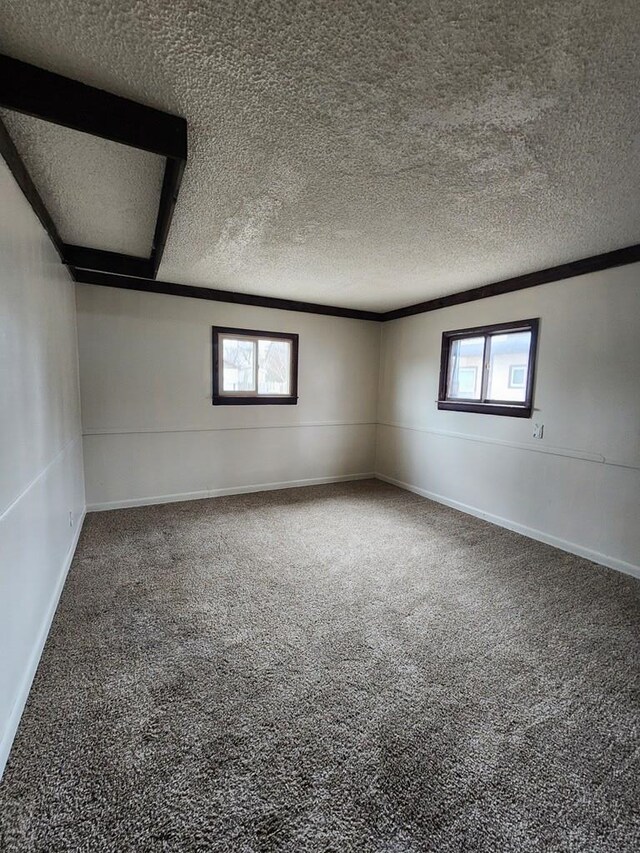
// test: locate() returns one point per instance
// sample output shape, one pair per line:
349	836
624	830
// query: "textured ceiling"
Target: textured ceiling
99	193
368	154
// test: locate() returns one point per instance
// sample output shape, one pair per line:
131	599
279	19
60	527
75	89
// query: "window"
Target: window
517	375
467	381
489	369
254	368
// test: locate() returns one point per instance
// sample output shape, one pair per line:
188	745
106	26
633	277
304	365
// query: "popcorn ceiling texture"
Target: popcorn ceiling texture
372	154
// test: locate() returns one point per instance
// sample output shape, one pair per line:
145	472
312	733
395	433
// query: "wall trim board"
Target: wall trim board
151	431
7	737
231	490
594	263
522	529
569	452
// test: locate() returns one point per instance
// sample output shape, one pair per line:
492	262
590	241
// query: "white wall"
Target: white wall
579	487
41	483
151	432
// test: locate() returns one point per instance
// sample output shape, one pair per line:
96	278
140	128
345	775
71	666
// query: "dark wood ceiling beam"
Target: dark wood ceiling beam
112	262
22	177
174	169
58	99
52	97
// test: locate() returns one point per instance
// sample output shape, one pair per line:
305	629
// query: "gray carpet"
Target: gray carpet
339	668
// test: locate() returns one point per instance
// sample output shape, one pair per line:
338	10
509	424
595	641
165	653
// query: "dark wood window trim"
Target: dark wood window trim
221	399
484	406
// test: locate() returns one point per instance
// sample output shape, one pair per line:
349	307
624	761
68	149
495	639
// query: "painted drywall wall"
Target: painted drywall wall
578	487
151	432
41	480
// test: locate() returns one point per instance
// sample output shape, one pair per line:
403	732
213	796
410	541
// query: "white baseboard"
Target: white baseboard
531	532
232	490
9	733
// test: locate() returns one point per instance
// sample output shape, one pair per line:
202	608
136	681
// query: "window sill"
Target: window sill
486	408
254	401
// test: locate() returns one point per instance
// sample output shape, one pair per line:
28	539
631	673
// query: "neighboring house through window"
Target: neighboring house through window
489	369
517	375
254	368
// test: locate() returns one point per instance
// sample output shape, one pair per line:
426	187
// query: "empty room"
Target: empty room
319	426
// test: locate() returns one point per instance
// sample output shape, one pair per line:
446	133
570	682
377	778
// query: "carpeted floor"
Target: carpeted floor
339	668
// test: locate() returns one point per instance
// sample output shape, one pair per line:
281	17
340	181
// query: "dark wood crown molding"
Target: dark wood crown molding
628	255
173	289
595	263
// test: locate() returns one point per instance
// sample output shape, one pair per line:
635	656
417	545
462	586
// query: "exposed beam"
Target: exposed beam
174	169
99	259
19	171
173	289
628	255
52	97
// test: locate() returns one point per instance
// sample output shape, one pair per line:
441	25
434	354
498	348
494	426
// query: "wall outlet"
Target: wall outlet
70	519
538	430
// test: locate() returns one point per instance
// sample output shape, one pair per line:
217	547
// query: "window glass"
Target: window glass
238	372
274	367
465	368
508	359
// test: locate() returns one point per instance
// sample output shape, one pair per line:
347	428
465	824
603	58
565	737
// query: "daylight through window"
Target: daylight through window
252	367
489	369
